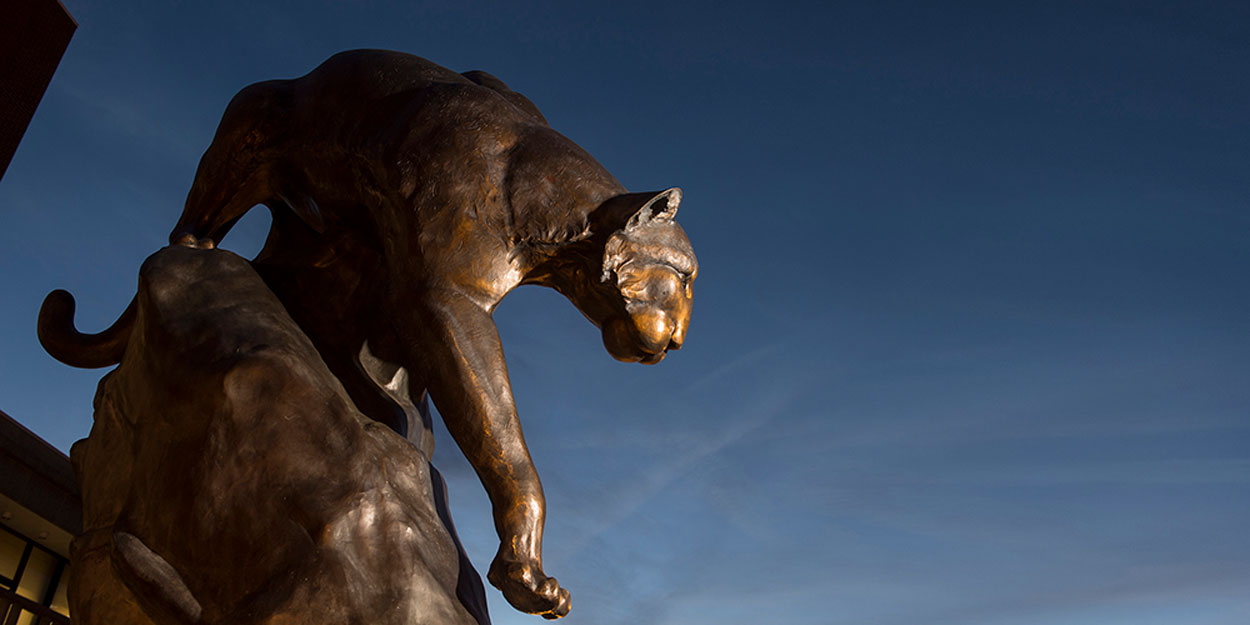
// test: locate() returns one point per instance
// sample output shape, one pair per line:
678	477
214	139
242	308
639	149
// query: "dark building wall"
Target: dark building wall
33	36
39	512
38	476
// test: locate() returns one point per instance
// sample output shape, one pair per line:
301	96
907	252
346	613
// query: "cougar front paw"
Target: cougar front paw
527	589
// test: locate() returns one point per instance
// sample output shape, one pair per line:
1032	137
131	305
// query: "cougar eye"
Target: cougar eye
632	289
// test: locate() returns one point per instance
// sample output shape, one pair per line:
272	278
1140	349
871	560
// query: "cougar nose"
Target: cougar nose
679	336
677	339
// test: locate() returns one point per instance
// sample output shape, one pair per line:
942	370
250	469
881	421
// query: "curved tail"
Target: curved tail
65	343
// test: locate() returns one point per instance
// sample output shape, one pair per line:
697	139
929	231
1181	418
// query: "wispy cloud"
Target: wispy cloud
128	117
638	491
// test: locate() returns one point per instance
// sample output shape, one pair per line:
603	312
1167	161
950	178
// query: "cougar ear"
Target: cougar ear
661	207
630	210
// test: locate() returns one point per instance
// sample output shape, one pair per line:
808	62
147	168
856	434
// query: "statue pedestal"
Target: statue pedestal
229	479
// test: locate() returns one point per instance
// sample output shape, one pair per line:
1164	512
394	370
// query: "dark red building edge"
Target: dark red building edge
33	37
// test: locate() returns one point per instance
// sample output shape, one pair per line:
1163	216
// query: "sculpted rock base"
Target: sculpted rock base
229	479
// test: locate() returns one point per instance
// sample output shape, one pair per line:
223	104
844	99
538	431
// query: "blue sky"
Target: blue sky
971	336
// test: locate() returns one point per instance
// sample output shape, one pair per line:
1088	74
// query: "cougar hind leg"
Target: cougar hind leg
215	204
234	174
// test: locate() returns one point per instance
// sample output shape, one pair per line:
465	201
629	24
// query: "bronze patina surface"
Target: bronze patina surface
407	201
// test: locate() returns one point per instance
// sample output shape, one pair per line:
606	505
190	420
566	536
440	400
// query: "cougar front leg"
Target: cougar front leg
462	361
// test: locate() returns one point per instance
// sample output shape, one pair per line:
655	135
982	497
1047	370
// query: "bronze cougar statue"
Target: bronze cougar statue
407	201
